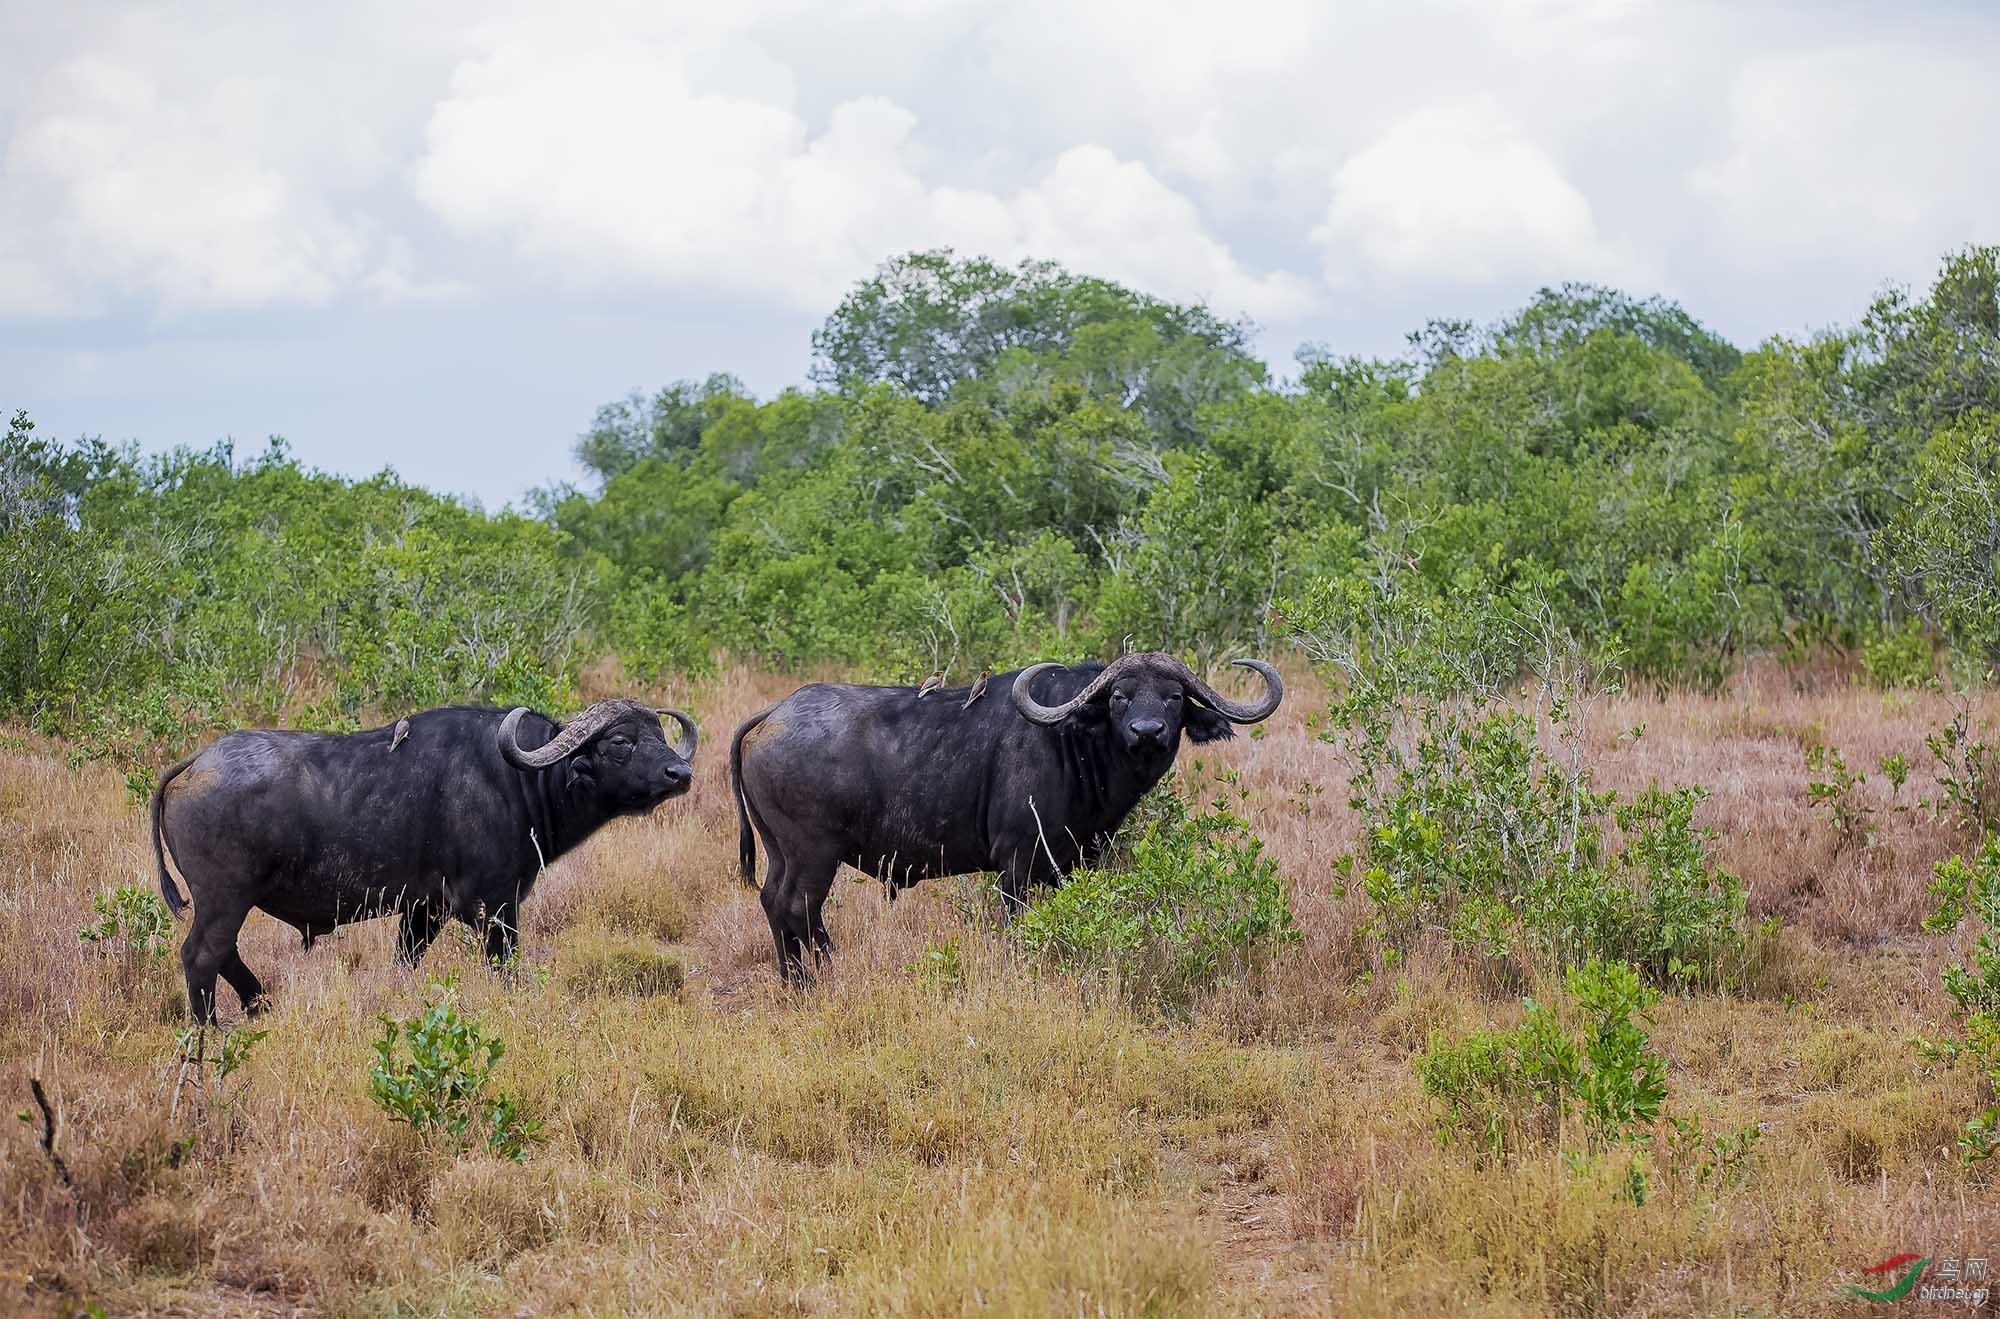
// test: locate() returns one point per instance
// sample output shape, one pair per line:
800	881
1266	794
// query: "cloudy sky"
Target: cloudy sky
436	236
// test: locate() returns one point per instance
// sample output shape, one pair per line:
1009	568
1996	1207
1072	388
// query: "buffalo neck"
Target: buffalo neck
1111	781
560	817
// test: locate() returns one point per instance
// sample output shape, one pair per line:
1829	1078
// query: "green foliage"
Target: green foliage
1835	795
1968	774
218	1116
131	920
929	323
1198	902
434	1073
1006	463
1706	1158
1901	657
1895	767
149	602
1502	1091
79	601
1481	819
1568	315
664	428
941	966
1967	892
1197	570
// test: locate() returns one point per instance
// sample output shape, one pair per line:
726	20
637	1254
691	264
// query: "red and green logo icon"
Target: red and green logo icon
1901	1287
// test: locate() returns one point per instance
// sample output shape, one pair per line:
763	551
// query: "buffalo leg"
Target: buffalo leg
1013	891
210	945
776	898
806	890
503	934
420	924
772	898
244	981
822	941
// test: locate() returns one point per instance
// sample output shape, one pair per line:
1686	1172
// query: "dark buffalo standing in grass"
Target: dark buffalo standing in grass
1028	781
452	813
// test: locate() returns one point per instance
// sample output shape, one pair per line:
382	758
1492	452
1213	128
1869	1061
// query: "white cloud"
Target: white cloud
1312	165
608	166
1105	216
110	186
1458	196
1871	159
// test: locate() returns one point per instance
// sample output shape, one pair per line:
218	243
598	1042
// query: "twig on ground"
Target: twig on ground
49	1133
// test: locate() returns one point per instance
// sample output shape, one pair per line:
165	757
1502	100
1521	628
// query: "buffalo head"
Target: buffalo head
615	752
1148	700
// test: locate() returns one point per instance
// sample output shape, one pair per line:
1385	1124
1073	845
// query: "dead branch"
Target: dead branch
49	1133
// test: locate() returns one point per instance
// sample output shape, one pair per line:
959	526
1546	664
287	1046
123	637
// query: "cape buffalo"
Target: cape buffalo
454	812
906	785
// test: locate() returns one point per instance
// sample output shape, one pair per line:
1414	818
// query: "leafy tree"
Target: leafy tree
1570	313
667	425
1946	540
927	322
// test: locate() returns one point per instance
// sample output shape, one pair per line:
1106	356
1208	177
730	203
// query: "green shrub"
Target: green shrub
1899	658
1198	902
131	920
1968	775
1481	818
434	1074
1968	896
941	966
1835	796
1502	1091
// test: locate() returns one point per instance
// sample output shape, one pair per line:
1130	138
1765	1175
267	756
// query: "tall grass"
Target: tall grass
1001	1141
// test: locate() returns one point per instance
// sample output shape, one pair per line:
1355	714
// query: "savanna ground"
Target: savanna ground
966	1132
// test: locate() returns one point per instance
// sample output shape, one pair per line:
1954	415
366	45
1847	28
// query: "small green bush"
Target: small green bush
941	967
1968	775
1968	892
433	1073
1545	1082
1198	902
1899	658
1834	795
1481	818
130	920
1500	1089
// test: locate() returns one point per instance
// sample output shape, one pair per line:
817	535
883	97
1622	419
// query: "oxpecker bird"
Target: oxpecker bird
930	684
978	689
402	731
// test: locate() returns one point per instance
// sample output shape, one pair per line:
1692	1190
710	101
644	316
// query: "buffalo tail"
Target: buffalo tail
168	889
746	841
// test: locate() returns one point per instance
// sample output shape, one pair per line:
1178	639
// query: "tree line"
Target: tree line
995	463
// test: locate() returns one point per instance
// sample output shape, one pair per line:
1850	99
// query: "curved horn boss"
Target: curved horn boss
568	737
1237	712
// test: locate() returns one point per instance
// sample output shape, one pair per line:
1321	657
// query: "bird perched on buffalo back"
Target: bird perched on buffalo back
978	688
930	684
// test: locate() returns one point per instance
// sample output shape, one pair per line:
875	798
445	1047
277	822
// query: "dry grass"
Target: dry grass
892	1144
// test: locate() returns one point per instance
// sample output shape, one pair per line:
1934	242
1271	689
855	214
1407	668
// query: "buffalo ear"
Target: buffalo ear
1205	725
582	774
1091	714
